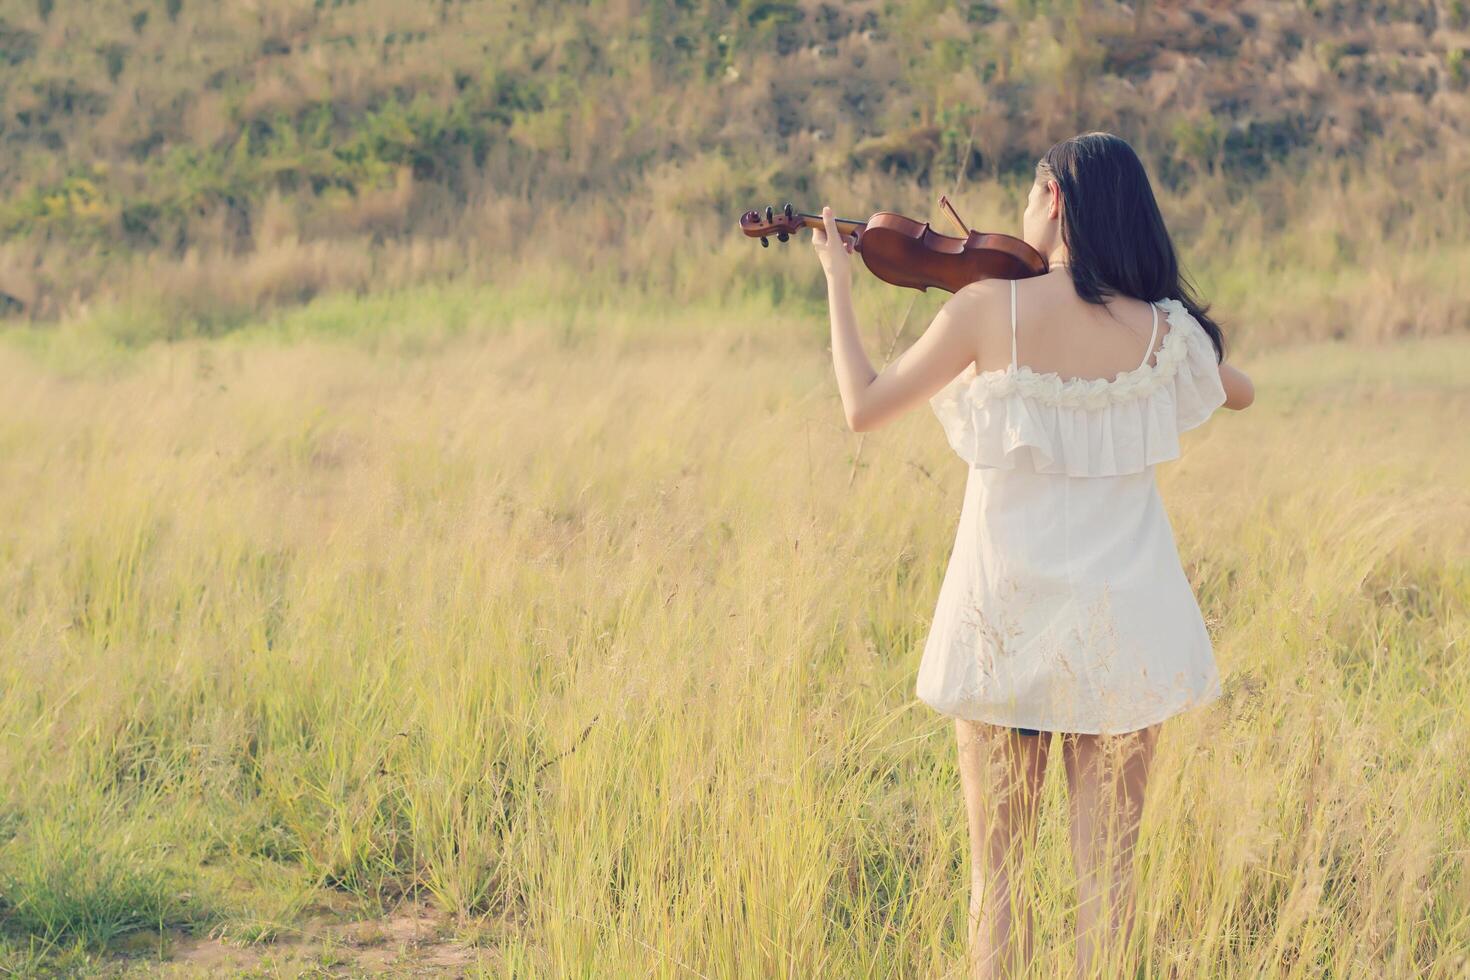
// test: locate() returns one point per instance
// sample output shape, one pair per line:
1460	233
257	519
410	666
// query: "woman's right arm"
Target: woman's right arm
1239	392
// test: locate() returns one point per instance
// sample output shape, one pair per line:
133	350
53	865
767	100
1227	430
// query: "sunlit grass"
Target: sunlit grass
602	634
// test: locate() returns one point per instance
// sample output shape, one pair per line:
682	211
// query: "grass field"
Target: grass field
589	643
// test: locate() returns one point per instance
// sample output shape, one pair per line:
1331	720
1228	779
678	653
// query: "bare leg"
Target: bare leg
1001	773
1106	778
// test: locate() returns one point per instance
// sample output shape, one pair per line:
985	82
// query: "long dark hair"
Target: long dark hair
1112	227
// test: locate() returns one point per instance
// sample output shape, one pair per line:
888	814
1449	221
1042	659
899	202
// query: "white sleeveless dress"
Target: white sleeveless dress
1064	606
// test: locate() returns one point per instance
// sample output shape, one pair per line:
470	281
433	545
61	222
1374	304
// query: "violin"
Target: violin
907	252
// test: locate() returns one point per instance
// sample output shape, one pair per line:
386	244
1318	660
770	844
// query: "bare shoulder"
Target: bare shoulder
979	302
983	294
985	308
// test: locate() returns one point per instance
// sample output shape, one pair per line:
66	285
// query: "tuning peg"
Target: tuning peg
765	242
770	213
782	236
788	210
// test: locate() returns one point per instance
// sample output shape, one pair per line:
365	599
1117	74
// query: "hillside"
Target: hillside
259	153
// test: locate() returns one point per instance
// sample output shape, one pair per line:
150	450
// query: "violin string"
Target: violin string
959	177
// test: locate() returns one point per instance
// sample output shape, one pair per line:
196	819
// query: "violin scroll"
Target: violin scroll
782	224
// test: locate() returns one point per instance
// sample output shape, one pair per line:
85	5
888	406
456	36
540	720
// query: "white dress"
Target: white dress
1064	606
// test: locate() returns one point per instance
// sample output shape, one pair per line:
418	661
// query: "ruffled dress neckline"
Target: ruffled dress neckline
1093	392
1086	426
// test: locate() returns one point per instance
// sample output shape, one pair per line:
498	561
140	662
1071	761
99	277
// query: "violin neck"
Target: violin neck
845	226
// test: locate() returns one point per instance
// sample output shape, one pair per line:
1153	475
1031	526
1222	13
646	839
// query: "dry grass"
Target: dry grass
1331	250
576	629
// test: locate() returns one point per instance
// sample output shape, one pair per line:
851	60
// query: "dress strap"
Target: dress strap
1149	350
1013	325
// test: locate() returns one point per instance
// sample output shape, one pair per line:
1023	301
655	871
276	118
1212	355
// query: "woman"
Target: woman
1064	607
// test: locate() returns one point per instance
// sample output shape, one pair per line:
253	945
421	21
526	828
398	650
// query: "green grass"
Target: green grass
599	633
87	876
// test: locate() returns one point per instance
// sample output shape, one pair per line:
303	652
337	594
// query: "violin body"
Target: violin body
907	252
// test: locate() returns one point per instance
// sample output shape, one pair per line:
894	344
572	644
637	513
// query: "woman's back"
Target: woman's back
1059	332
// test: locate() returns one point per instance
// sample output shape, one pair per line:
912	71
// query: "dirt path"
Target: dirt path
416	941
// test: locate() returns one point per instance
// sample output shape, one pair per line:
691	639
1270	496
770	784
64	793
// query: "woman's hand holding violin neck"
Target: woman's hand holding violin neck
833	250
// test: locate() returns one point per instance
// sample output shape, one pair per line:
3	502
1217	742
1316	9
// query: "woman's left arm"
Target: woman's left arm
1239	392
871	400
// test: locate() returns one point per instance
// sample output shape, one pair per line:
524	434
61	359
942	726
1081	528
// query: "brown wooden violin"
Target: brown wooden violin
907	252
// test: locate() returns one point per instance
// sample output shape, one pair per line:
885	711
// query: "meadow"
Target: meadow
586	638
430	542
